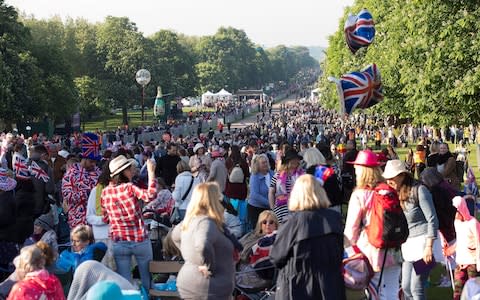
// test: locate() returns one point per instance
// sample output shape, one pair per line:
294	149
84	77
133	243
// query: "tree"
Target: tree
122	50
429	60
172	63
47	45
20	84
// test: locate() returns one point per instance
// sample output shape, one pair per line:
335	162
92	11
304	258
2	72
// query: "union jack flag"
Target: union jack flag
38	172
359	30
90	146
20	168
361	89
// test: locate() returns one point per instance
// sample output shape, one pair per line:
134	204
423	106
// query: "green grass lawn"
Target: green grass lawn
135	119
113	121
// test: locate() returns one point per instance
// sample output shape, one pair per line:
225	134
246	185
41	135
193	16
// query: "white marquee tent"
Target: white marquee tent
223	95
208	98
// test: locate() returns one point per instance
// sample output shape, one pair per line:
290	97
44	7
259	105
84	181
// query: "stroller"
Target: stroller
158	226
256	279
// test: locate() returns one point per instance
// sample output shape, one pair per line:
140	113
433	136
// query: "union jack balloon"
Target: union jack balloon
359	89
359	30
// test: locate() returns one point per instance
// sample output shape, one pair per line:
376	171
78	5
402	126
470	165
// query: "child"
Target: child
83	248
467	247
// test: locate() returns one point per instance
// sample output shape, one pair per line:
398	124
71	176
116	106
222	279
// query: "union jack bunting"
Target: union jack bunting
38	172
20	168
360	89
359	30
90	146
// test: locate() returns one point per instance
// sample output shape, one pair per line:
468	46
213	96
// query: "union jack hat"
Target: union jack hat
90	146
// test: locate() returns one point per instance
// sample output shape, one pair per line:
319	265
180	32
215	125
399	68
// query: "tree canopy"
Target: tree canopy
428	56
53	68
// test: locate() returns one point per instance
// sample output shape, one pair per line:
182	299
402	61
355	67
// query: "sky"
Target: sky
266	22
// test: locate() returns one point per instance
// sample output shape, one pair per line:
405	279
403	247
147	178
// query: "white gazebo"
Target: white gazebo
224	95
208	98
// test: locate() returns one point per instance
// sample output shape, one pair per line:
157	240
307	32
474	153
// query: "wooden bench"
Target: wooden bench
164	267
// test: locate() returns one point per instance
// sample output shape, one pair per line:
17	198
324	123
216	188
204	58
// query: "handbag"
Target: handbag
357	271
175	218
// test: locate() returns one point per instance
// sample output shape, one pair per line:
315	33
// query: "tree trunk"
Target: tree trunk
124	113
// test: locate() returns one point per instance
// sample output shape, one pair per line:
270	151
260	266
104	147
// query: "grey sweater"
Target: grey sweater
421	216
218	173
204	244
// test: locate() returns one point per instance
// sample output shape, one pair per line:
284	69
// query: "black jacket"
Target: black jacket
167	168
309	252
42	190
25	215
7	215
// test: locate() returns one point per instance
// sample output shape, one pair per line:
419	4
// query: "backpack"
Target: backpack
236	175
388	226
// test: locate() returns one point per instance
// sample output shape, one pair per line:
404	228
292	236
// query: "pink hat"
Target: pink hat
366	158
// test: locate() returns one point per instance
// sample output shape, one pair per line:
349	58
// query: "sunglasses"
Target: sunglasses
264	222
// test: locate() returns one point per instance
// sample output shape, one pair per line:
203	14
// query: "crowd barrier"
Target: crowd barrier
189	129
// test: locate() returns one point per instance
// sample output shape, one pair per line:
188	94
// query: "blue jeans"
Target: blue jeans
123	251
413	285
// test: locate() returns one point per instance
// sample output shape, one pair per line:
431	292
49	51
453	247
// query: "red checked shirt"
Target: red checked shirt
122	209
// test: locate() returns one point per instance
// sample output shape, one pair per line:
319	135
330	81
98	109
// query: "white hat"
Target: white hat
63	153
198	146
118	164
394	168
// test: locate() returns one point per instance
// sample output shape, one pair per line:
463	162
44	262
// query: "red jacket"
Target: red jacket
37	285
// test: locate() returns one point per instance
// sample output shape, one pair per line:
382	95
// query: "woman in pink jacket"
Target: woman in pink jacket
368	175
467	247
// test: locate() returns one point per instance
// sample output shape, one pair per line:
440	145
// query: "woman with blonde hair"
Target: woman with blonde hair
259	184
209	270
267	223
368	176
308	249
35	282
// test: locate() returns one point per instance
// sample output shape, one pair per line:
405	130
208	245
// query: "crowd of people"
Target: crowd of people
241	204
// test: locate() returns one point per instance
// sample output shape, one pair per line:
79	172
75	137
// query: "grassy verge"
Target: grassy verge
113	121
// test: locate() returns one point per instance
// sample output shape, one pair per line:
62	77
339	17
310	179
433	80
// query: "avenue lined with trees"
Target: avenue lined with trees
54	68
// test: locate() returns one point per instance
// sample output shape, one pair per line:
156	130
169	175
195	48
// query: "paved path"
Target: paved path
250	120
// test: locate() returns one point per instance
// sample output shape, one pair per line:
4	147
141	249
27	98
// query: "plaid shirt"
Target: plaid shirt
122	209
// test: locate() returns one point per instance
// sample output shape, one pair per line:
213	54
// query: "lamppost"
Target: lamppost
143	78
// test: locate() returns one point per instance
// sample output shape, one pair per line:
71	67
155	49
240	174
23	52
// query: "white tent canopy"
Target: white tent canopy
223	92
223	95
207	97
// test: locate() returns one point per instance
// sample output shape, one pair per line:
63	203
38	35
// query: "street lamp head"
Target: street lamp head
143	77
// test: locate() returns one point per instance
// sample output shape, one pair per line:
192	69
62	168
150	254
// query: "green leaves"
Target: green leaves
428	53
